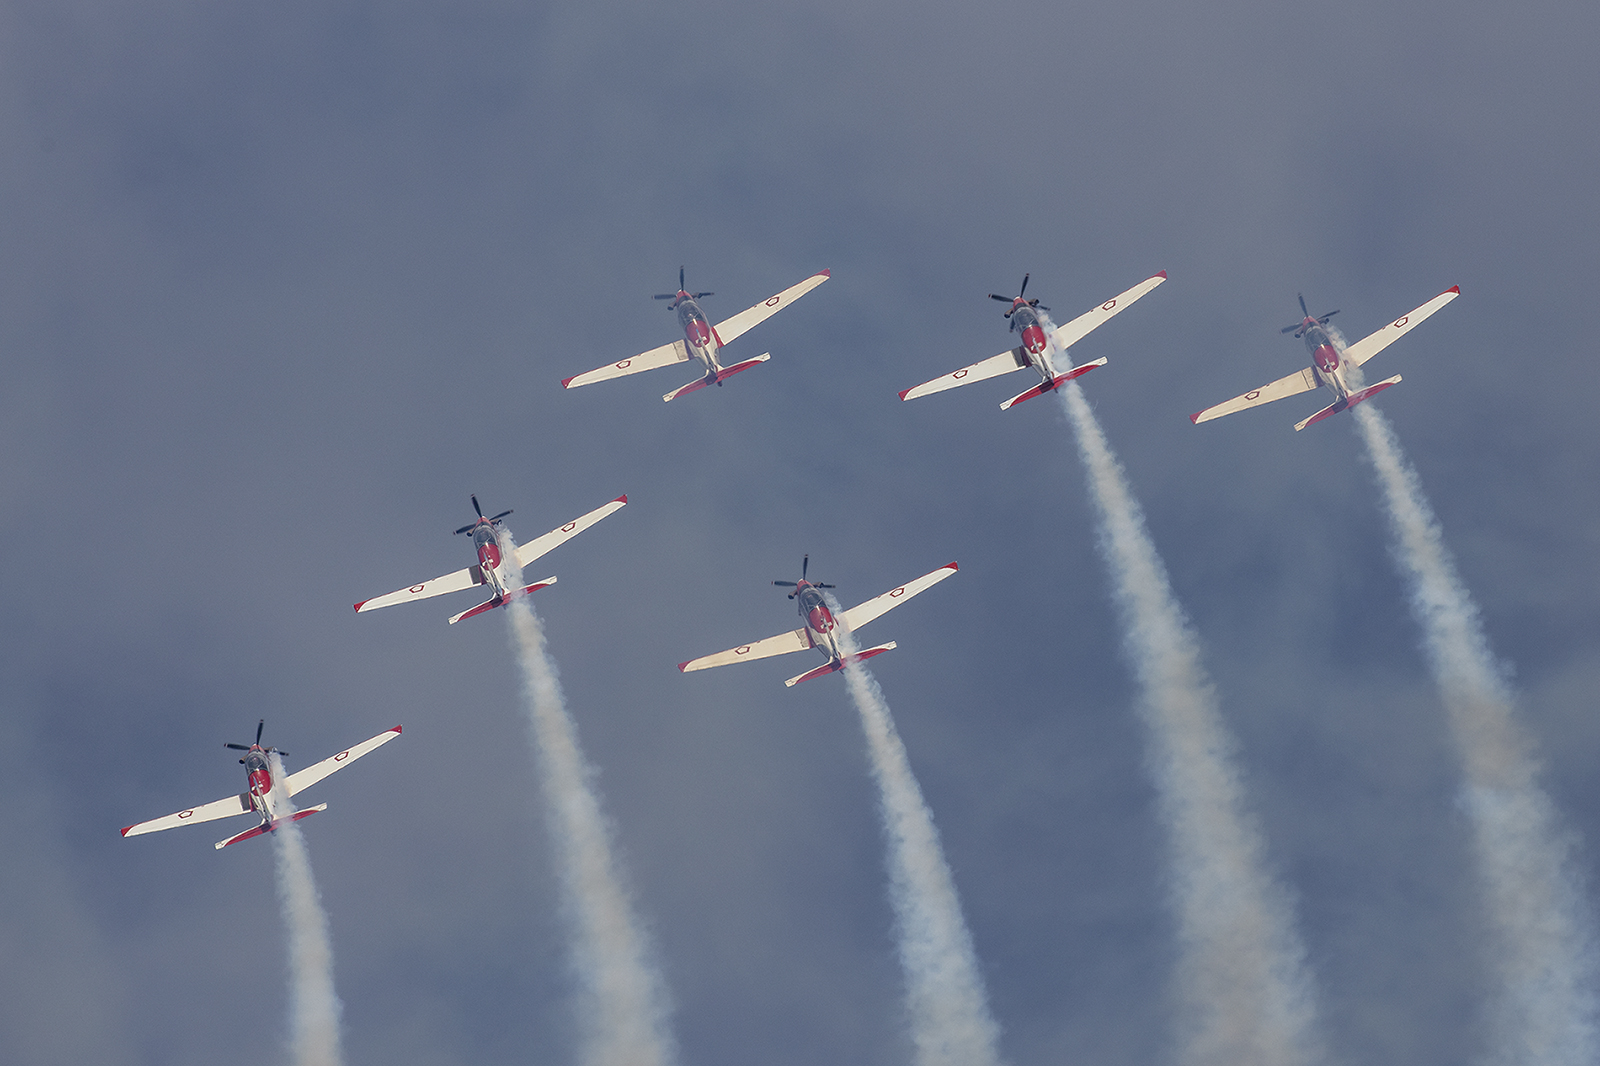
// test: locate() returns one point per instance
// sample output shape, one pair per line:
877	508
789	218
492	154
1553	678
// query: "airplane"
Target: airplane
270	804
700	340
492	568
820	630
1037	345
1330	366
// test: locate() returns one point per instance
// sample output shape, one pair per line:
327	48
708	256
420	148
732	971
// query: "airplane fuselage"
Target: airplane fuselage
698	334
821	626
1035	341
490	559
258	771
1326	360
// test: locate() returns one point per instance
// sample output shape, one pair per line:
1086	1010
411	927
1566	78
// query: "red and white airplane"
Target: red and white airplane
700	340
492	568
1037	345
269	802
820	630
1329	366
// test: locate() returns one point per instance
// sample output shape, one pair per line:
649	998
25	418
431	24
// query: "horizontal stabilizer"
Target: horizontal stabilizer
839	664
1349	401
716	379
1055	383
537	585
486	605
265	827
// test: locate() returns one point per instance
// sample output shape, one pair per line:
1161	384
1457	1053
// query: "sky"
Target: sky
286	283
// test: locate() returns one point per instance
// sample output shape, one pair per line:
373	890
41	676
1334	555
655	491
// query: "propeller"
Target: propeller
474	525
246	747
673	296
805	564
1012	300
1299	327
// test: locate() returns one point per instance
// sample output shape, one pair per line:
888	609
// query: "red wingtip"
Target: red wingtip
683	664
564	382
1455	289
953	566
826	273
1195	418
904	391
125	830
358	606
397	729
621	499
1163	274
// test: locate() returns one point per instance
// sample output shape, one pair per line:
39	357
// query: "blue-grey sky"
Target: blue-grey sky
286	282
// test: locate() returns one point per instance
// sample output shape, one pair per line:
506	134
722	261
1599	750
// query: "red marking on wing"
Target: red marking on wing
341	757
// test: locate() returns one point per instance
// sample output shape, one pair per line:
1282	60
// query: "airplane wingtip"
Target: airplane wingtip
1195	418
1455	289
903	393
566	383
827	273
682	665
125	830
397	729
1162	275
621	499
953	565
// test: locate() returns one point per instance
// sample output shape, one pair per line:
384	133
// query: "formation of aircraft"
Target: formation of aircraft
492	568
701	340
269	799
820	628
1329	366
1038	346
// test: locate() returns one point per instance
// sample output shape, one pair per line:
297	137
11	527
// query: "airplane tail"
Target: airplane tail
1349	401
1055	383
500	601
838	664
265	827
716	379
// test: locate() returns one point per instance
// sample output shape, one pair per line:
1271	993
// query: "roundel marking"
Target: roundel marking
1252	394
741	650
1108	305
1402	321
185	814
897	592
416	588
625	364
341	757
569	527
959	374
773	302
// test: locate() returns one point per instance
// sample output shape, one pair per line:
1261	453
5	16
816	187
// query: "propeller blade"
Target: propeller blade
475	506
259	727
700	295
1327	316
466	529
1303	310
499	516
1002	299
1024	288
1290	329
238	747
665	295
805	561
680	279
785	584
1039	305
822	586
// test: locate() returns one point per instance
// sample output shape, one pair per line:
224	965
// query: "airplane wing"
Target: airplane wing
731	329
782	644
1296	383
302	779
666	355
1073	332
461	579
992	367
210	812
527	553
862	613
1372	344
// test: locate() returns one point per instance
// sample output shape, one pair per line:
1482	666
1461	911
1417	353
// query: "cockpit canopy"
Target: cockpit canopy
483	533
255	760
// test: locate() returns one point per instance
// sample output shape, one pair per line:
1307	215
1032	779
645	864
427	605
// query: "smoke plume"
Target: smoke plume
313	1005
950	1020
1246	996
1543	947
623	1003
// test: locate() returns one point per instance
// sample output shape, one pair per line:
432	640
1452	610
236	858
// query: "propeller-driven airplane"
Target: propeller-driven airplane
820	630
700	340
1037	345
269	799
493	568
1329	366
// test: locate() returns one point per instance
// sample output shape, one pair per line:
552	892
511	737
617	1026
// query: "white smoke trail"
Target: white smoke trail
950	1020
1246	994
623	1004
313	1005
1543	947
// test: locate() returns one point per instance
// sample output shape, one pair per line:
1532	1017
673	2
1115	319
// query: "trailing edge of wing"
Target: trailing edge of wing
782	644
862	613
1373	343
461	579
209	812
733	328
302	779
1292	385
527	553
1073	332
992	367
666	355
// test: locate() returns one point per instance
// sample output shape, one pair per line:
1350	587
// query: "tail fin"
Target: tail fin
264	827
1349	401
839	664
717	378
1055	383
